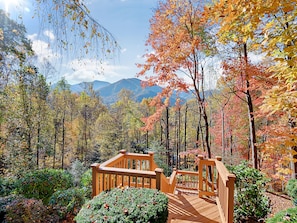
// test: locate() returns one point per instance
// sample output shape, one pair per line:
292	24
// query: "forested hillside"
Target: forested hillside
247	47
250	115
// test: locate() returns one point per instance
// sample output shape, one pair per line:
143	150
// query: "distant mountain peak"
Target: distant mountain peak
109	91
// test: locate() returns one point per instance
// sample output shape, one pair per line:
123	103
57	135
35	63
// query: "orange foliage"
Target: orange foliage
176	45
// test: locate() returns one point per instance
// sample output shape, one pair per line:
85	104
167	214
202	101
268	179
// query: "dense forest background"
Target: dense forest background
250	115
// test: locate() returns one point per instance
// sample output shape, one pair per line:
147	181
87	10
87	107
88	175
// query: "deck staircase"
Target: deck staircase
203	196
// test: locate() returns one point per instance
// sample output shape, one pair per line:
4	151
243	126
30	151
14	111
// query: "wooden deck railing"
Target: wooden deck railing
140	170
225	192
215	180
127	169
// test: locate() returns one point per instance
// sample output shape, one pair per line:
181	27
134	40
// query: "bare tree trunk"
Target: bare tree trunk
55	142
167	138
63	140
250	114
185	133
38	146
178	139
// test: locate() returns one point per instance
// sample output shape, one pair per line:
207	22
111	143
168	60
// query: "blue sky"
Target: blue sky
127	20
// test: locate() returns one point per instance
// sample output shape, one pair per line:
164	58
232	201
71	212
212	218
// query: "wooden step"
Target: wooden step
185	208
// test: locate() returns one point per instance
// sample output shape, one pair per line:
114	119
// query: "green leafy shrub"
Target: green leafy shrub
86	183
288	215
41	184
7	185
86	178
251	203
291	189
126	205
24	210
67	202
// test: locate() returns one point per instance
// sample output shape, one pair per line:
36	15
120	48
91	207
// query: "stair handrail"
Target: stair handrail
225	193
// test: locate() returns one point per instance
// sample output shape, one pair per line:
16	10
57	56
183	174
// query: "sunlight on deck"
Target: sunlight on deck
190	208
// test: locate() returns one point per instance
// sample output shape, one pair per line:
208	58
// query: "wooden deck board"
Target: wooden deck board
185	208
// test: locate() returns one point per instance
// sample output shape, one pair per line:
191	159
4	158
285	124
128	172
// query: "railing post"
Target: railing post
123	151
125	163
95	179
200	169
158	172
230	205
219	158
151	160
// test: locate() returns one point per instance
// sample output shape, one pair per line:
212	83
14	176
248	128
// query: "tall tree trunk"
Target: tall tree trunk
223	134
250	113
161	133
185	126
63	140
85	133
55	142
167	138
198	129
185	135
178	139
207	142
38	145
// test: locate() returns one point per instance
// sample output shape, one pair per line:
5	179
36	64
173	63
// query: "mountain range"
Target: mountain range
109	91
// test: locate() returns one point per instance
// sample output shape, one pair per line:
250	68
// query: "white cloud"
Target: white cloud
91	69
32	37
123	50
42	49
49	34
82	76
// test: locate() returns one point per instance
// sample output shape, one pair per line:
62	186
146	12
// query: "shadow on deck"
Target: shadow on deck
190	208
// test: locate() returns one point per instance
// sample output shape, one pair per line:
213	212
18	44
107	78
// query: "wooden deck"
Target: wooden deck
185	208
213	181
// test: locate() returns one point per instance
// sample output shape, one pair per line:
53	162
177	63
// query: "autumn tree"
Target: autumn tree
268	27
59	102
180	44
89	107
231	32
41	93
230	131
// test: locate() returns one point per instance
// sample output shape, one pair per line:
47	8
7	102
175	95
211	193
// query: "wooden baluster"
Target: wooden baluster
123	180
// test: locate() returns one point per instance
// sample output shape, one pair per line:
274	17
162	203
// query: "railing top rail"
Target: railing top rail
224	173
123	154
188	172
113	160
124	171
138	156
